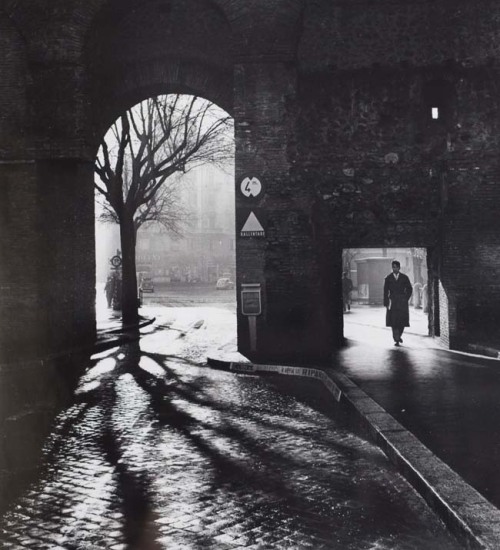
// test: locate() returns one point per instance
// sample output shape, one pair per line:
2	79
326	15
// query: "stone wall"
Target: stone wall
354	160
362	33
186	49
382	170
32	393
13	101
332	105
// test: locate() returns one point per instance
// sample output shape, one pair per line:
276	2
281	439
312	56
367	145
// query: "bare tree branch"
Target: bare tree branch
137	163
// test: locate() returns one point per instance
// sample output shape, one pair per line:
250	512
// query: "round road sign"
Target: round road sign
116	261
251	187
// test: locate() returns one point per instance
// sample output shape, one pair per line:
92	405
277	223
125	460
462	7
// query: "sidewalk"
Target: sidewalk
484	343
374	316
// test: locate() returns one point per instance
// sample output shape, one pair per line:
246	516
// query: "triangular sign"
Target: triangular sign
252	227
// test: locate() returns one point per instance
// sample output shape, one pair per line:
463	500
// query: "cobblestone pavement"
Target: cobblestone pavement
158	452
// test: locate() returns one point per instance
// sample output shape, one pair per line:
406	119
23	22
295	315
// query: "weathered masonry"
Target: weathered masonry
366	124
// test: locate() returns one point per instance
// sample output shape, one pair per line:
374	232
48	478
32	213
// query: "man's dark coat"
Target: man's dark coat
398	292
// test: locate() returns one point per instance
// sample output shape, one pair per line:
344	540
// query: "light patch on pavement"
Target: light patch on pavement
86	388
147	364
104	366
104	353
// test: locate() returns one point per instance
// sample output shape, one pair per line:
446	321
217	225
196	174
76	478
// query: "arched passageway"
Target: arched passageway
165	182
413	135
365	296
334	111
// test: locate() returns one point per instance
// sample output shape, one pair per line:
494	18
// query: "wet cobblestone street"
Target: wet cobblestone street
158	452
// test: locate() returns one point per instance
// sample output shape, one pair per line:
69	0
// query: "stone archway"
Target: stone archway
327	109
151	51
91	63
161	77
161	47
252	75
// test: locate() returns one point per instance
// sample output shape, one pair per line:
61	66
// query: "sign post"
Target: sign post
251	222
251	306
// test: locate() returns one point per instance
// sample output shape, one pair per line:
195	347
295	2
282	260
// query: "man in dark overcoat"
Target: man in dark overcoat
397	293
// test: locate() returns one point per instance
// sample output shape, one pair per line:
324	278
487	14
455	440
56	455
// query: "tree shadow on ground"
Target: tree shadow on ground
265	470
247	466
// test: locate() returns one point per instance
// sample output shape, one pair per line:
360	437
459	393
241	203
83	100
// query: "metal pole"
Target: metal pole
252	325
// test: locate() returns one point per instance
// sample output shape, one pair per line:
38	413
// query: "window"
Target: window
438	97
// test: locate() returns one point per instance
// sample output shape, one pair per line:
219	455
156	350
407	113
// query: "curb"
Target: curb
473	520
483	350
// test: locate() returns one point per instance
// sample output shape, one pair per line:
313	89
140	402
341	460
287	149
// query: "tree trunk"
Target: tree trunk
130	312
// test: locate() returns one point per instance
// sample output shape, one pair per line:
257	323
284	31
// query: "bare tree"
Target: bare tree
136	164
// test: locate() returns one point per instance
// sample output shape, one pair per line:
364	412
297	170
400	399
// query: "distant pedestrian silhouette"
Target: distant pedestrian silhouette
346	291
109	290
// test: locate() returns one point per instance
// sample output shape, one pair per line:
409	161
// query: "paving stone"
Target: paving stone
208	459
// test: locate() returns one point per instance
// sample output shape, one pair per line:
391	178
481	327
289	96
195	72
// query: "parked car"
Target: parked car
224	284
147	284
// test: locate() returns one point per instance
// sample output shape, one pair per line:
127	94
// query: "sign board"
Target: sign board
251	188
251	303
116	261
251	222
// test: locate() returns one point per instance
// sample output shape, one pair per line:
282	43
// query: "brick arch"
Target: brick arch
13	82
111	17
165	47
162	77
60	30
251	24
265	29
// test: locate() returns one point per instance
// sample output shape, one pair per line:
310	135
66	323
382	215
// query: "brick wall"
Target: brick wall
444	317
284	263
355	161
383	173
362	33
31	395
332	111
68	251
358	153
187	48
20	263
13	107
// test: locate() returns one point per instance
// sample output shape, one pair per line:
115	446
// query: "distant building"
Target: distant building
206	250
367	268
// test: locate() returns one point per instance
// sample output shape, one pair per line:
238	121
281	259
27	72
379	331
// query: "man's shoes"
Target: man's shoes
400	340
396	344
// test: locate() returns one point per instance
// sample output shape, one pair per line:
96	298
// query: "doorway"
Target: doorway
366	268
